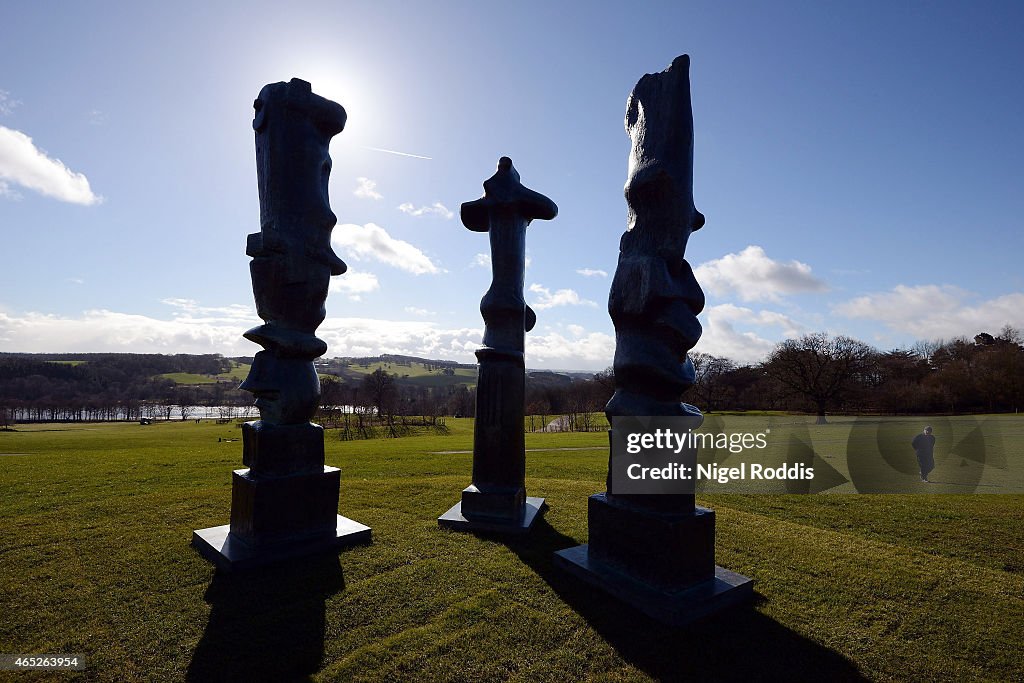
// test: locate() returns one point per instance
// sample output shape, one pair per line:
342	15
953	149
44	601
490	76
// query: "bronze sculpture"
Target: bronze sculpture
496	500
286	502
656	551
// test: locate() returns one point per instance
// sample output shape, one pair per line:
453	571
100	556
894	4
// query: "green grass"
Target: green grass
237	373
188	378
415	374
68	362
95	522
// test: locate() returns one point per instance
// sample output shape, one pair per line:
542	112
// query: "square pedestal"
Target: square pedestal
502	503
276	518
675	608
660	561
669	550
229	553
268	510
454	519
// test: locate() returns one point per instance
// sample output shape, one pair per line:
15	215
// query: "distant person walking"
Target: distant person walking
924	447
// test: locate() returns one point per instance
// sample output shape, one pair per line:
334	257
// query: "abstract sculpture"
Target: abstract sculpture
496	500
656	551
286	502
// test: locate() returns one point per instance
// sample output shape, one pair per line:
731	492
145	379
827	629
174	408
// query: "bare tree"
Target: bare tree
379	390
186	399
332	398
709	385
822	369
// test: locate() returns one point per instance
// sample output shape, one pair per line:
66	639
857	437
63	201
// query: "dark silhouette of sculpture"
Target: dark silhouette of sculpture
286	502
496	500
656	551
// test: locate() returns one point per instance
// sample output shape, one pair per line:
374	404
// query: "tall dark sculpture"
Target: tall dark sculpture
656	551
496	500
286	502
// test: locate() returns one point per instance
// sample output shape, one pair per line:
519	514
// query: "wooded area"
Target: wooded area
816	373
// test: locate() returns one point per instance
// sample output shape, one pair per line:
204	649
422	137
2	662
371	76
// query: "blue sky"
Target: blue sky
859	165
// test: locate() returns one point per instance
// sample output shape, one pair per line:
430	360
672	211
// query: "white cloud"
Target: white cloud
436	208
422	312
7	191
936	311
23	163
741	314
366	189
195	328
191	310
583	351
355	283
100	330
7	103
371	336
722	338
562	297
753	276
371	241
592	272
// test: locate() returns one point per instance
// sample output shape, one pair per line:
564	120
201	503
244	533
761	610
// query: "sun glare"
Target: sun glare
349	92
342	85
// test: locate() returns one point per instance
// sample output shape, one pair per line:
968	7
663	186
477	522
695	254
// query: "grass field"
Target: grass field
415	374
95	523
237	373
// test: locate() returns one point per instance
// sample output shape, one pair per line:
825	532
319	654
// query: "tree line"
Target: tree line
820	374
816	373
113	386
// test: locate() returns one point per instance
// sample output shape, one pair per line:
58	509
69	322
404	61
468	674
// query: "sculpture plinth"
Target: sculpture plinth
496	501
656	551
286	503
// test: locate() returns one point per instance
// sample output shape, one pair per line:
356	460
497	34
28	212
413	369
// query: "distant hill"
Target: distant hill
427	372
125	369
409	370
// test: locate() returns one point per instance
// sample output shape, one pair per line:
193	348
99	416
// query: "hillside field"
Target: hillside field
237	373
412	373
406	374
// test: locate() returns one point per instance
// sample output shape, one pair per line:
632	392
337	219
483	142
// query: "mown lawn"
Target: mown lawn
95	523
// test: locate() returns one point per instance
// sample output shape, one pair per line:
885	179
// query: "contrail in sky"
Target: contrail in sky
401	154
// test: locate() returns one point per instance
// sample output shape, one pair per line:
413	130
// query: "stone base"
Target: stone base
667	549
229	553
271	510
533	508
494	502
282	450
675	608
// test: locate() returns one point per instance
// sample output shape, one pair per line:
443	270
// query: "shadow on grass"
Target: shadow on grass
739	644
267	625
